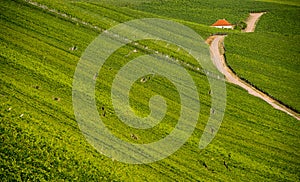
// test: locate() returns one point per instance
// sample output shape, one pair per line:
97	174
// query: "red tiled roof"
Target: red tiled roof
221	23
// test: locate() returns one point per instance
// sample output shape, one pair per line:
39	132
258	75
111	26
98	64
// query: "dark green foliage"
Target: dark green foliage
241	25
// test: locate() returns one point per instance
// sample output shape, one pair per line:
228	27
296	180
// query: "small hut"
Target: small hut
223	24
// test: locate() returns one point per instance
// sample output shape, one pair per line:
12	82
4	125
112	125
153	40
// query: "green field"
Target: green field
270	62
269	58
41	140
256	58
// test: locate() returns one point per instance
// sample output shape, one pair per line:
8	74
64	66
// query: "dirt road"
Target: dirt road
219	62
216	47
252	20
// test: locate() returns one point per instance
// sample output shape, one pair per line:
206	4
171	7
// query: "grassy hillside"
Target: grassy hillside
273	53
287	2
269	61
269	58
40	136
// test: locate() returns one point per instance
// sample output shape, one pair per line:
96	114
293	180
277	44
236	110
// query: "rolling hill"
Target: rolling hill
42	42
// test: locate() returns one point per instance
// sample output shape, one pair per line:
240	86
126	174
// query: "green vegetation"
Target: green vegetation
280	19
275	52
269	61
41	141
272	49
287	2
269	58
241	25
209	11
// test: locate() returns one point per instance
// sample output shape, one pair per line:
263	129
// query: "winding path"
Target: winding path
219	61
252	20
